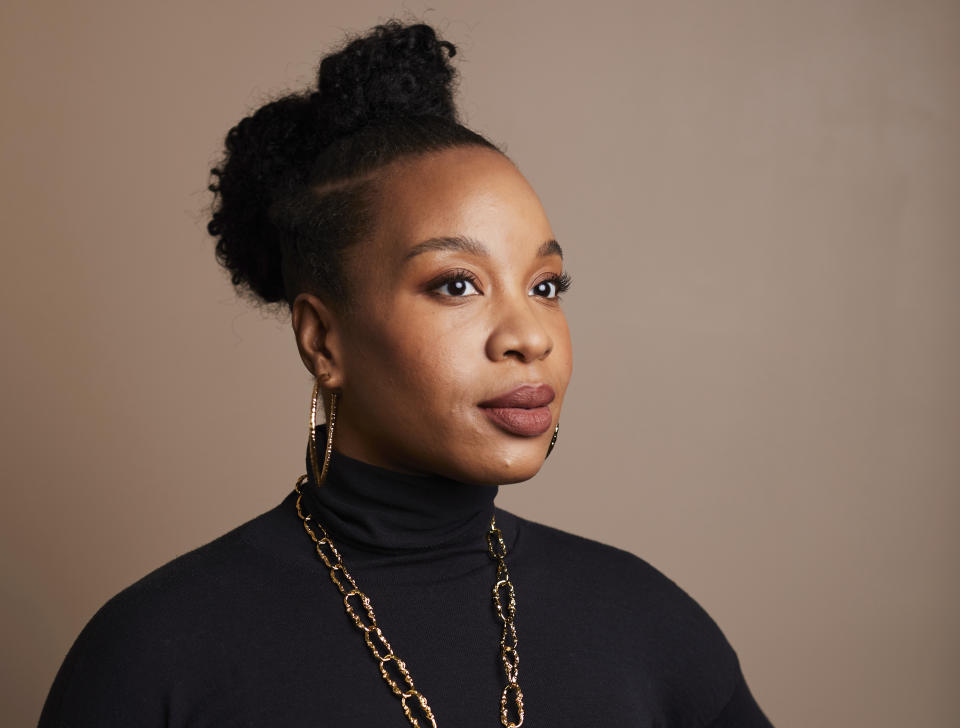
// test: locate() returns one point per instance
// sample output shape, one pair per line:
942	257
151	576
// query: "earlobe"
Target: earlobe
317	332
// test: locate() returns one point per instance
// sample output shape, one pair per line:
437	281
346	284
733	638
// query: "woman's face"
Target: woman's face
455	306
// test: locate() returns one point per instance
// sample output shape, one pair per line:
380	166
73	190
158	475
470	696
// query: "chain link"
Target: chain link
360	610
508	641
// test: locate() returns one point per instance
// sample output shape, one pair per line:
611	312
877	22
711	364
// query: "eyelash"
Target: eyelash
450	277
562	282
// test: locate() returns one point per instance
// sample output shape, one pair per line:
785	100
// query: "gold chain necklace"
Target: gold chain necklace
360	609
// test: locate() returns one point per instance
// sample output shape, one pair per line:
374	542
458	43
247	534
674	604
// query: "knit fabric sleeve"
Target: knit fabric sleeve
741	710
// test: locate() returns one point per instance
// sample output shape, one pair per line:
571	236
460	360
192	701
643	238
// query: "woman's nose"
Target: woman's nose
518	331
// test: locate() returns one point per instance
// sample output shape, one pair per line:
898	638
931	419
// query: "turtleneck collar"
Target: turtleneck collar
385	511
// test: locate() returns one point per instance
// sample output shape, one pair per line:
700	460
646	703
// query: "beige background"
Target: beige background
761	207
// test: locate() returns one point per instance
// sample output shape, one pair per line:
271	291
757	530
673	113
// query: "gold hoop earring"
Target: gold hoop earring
553	440
320	473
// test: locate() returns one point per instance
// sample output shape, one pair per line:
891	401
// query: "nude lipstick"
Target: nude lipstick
523	410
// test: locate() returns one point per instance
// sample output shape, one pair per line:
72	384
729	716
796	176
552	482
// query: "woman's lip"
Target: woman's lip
526	396
528	422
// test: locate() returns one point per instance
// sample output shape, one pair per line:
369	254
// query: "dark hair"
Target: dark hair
296	186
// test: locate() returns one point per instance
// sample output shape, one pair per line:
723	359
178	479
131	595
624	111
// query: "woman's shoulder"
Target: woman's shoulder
631	589
633	610
254	544
162	624
599	565
228	566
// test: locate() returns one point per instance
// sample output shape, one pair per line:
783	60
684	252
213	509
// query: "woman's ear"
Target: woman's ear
317	329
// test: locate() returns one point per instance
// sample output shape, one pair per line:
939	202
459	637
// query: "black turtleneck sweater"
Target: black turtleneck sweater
248	630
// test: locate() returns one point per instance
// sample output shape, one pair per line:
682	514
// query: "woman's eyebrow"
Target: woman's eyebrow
466	244
459	243
551	247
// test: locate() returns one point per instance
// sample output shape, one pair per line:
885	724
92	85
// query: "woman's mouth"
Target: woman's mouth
523	410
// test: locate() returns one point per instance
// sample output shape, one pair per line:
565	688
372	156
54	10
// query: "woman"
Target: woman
424	286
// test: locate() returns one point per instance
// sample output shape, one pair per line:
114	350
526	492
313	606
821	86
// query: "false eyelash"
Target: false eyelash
562	282
460	274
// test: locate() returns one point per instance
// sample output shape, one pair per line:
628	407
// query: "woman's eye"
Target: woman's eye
547	289
552	287
457	287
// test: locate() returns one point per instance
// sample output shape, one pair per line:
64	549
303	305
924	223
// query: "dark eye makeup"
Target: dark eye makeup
454	283
553	284
460	283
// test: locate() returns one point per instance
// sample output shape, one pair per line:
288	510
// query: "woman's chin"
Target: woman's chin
508	465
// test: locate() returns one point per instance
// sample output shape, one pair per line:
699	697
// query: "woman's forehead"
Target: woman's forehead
466	194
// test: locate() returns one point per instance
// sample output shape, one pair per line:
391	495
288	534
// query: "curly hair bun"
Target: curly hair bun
382	82
393	71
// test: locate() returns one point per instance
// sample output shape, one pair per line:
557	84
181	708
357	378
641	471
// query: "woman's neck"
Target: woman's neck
384	510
